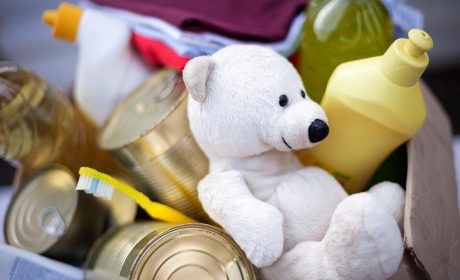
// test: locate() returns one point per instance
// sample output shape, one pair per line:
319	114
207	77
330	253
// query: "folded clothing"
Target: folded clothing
257	20
190	44
157	53
196	44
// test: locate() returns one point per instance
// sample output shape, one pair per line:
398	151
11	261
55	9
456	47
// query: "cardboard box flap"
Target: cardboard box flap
432	221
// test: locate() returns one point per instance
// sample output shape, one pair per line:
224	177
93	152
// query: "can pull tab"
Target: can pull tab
165	89
52	222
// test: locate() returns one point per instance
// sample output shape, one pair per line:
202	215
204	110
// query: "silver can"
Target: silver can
163	251
47	216
150	136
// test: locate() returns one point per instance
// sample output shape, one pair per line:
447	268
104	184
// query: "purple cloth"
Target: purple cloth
258	20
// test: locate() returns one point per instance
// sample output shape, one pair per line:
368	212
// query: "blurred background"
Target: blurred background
25	40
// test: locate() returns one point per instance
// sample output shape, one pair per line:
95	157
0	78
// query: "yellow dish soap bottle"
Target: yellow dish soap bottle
338	31
373	106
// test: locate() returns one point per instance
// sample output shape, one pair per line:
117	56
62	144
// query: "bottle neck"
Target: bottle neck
401	67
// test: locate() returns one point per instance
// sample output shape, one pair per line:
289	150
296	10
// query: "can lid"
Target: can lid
42	210
144	110
192	252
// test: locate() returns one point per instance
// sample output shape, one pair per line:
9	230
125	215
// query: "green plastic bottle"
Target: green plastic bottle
337	31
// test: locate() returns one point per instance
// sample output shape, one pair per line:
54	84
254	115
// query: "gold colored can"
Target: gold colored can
47	216
150	136
163	251
122	209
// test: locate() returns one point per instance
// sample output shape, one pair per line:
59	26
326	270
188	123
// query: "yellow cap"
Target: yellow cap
64	21
406	59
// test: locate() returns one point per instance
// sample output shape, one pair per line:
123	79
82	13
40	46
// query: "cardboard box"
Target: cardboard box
431	218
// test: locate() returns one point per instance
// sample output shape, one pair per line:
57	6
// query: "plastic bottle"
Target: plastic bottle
373	106
337	31
39	126
108	69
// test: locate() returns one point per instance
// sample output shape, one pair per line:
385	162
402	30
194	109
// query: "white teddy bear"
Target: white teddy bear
248	111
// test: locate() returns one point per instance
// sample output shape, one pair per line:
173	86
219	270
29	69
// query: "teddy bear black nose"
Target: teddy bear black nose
317	131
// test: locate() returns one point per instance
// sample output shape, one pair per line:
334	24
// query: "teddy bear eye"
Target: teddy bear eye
302	93
283	101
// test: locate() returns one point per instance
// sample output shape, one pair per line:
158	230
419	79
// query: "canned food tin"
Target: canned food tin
166	251
150	136
122	209
47	216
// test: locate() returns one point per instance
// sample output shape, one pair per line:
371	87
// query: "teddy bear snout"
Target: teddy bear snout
317	131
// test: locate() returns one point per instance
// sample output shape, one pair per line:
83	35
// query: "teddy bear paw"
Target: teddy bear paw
262	240
364	234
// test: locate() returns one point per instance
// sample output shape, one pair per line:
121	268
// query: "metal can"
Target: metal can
150	136
47	216
122	209
167	251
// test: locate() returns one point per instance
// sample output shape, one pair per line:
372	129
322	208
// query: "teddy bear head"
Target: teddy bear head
246	100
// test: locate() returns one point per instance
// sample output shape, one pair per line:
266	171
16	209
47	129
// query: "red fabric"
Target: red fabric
252	20
157	53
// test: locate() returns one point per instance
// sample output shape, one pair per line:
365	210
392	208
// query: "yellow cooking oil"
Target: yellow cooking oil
337	31
39	126
373	106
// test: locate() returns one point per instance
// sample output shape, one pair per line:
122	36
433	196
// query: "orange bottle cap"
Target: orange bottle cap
64	21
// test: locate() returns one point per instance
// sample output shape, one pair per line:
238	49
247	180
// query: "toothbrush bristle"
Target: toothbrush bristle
95	186
98	188
83	183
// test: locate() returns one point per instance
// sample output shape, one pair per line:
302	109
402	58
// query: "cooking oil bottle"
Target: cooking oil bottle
39	126
373	106
337	31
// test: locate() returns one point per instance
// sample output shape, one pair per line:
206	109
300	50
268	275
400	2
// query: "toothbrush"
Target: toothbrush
101	185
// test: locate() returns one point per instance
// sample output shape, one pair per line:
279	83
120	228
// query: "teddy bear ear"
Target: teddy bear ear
195	75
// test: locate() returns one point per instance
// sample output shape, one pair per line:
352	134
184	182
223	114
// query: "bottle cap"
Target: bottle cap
419	42
406	59
64	21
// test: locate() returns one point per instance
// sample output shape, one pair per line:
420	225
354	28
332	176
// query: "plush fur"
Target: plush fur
293	222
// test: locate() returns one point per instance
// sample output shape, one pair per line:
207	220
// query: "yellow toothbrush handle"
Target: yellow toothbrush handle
162	212
154	209
168	214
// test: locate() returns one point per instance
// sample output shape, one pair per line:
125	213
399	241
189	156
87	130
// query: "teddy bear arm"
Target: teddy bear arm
226	194
255	225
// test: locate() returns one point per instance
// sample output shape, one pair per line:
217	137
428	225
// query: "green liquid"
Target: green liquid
338	31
